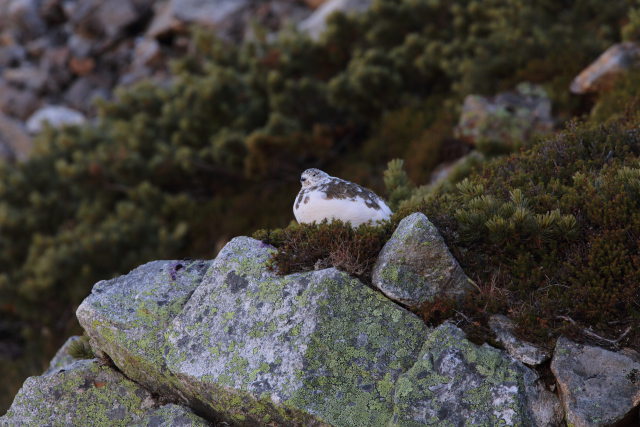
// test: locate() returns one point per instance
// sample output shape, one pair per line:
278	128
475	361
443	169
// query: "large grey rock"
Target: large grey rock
316	24
127	317
253	348
459	383
415	265
523	351
601	74
87	394
597	387
55	116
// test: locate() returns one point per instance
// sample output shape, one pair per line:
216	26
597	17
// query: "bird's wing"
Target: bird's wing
337	188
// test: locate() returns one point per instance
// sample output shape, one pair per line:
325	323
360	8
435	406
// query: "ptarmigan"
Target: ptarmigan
326	197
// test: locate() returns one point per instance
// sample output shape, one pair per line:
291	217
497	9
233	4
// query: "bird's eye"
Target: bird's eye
303	179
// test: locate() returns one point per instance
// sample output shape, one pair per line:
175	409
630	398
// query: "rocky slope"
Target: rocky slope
58	56
228	340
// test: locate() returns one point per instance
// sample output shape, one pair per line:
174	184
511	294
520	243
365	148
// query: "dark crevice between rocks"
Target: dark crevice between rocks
630	420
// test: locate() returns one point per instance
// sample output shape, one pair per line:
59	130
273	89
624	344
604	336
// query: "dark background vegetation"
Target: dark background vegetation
170	172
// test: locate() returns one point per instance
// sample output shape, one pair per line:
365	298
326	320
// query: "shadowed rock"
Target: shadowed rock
521	350
601	74
62	357
597	387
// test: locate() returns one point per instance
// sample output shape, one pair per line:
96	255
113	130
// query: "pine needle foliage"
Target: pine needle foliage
553	233
81	349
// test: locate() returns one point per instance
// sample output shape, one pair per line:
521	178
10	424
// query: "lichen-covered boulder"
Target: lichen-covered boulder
415	265
601	74
524	351
127	317
597	387
87	394
456	382
250	347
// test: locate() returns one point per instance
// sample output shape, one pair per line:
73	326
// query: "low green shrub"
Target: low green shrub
552	232
305	247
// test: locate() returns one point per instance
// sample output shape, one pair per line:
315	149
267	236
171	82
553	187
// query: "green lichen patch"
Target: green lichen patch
87	394
305	348
361	344
460	383
127	317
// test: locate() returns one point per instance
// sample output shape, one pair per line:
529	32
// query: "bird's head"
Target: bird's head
312	177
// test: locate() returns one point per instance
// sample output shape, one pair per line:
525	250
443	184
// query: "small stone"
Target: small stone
82	94
415	266
314	4
316	24
26	77
54	64
602	73
597	387
17	103
80	46
12	55
164	21
24	19
210	13
82	66
523	351
146	52
55	116
15	138
103	19
177	14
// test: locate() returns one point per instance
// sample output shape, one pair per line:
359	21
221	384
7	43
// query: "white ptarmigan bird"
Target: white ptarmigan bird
326	197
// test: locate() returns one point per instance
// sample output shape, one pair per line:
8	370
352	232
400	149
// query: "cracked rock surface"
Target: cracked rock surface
240	344
597	387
